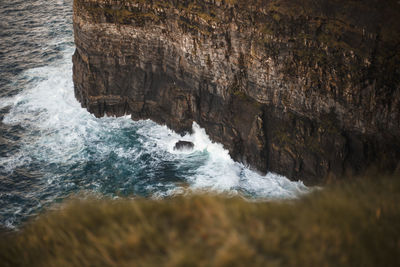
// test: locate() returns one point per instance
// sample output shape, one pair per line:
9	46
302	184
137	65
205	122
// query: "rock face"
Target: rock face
307	89
183	145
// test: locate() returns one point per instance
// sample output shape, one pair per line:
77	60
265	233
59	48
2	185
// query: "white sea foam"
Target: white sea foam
59	131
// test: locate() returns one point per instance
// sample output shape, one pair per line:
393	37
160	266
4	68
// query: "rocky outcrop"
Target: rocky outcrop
183	145
308	89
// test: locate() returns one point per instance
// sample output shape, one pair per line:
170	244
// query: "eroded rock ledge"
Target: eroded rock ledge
307	89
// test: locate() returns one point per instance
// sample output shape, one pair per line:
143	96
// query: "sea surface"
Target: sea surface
51	148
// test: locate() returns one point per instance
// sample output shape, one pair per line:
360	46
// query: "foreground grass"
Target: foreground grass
351	224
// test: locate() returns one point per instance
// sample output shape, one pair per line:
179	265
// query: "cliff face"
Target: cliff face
307	89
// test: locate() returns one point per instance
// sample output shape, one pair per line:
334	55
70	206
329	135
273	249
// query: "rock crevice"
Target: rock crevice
307	89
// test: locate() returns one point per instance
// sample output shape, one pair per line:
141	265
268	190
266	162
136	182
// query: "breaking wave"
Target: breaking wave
51	147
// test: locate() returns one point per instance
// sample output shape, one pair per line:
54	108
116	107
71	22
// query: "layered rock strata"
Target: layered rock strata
307	89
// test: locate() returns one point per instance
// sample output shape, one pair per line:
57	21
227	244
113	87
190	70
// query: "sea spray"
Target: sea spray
69	150
52	148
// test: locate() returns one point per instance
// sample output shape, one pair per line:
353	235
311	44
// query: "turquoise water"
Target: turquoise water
51	148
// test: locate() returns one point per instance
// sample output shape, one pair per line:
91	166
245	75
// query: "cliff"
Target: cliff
307	89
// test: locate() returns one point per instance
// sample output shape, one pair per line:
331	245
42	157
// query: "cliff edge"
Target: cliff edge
307	89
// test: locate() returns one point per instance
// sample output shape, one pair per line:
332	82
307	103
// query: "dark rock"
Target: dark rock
183	145
301	88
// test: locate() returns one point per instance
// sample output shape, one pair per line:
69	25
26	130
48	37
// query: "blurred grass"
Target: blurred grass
353	223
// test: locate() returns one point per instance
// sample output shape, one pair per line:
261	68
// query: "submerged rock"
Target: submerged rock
307	89
183	145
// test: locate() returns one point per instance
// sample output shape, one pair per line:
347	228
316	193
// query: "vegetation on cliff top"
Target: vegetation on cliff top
350	224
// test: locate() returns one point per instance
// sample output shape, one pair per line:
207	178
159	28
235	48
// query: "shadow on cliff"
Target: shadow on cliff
308	89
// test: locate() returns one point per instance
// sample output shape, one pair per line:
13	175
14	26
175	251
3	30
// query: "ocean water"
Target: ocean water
51	148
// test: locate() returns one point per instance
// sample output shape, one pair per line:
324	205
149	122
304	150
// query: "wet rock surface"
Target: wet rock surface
307	89
183	145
